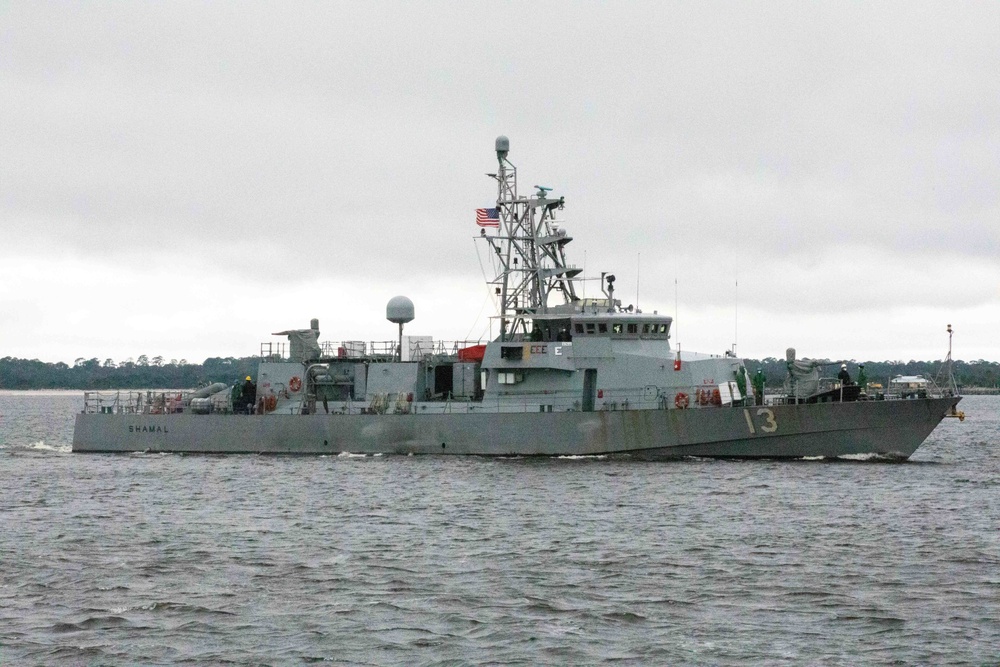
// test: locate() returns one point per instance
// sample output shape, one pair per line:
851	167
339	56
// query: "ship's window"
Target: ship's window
590	327
602	328
512	352
633	328
616	328
645	328
663	328
579	328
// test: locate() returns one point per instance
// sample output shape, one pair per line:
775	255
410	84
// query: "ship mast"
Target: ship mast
530	247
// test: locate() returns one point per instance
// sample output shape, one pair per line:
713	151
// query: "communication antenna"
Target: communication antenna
638	255
676	312
736	323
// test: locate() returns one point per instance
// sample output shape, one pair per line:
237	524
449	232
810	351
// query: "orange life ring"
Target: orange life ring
270	403
716	397
704	396
681	400
294	384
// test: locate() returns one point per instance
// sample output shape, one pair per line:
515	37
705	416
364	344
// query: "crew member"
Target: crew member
862	378
758	386
844	376
239	404
249	394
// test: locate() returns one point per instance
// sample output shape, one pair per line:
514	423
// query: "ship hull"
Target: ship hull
888	428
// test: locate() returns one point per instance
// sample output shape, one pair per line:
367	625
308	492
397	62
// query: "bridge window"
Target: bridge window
579	328
616	328
512	352
602	328
633	328
590	327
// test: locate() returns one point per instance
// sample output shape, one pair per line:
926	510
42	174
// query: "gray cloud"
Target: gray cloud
791	146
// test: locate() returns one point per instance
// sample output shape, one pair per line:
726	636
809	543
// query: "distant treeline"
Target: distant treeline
141	374
145	373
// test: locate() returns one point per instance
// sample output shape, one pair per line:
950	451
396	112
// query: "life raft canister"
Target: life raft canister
267	404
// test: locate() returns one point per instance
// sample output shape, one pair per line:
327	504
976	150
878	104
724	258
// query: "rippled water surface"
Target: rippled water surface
205	560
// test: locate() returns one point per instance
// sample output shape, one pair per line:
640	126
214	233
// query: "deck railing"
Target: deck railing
147	402
636	398
380	350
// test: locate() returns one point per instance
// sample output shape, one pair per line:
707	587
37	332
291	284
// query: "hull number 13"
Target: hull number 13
768	425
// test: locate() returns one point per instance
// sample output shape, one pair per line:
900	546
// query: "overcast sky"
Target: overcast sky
182	179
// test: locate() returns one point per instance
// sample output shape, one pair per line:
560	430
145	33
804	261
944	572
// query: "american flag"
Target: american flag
487	217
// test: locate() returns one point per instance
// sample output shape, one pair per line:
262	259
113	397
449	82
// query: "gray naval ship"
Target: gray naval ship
567	376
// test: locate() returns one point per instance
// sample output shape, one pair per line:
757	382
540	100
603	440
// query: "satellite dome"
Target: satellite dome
399	310
503	144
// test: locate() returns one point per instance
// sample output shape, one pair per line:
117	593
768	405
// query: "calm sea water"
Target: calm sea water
204	560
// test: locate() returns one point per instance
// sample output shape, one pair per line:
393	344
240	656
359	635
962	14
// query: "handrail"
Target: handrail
151	402
148	402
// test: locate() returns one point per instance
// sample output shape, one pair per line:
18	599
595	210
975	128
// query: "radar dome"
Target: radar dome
399	310
503	144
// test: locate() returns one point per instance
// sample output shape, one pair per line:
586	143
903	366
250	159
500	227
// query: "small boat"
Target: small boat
909	386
